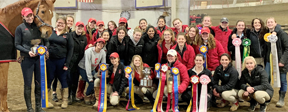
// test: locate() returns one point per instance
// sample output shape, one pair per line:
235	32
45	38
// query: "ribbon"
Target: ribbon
157	69
204	80
159	98
275	67
194	81
246	50
128	70
203	51
175	73
41	51
237	42
102	103
270	58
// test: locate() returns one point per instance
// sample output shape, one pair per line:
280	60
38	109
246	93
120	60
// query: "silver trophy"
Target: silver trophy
35	43
146	81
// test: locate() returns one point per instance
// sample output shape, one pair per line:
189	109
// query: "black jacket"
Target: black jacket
61	47
80	41
228	77
115	46
120	80
258	80
150	50
206	72
231	47
257	44
282	49
133	49
24	34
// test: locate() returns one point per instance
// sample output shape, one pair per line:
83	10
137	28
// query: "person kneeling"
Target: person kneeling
228	89
116	81
259	89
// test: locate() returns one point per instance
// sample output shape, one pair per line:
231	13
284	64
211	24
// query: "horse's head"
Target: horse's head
43	15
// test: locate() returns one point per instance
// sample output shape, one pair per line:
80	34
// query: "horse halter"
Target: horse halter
43	23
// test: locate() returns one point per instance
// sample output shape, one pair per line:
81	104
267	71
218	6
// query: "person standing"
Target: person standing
222	33
80	42
26	34
60	53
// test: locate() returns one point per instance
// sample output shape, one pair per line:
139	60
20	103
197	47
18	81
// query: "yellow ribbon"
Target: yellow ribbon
46	83
132	96
189	107
105	99
271	69
158	95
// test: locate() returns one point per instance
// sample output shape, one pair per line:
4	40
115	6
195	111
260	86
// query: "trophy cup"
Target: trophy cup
146	81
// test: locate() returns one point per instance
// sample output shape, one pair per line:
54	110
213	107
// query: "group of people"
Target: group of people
80	52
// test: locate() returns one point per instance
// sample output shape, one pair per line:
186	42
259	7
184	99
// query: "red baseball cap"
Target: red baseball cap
205	29
79	23
100	23
100	40
91	19
26	11
114	55
122	19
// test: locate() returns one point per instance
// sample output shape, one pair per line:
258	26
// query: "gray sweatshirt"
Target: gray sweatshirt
91	60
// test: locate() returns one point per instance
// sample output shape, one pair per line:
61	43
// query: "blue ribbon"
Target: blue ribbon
175	83
103	76
204	54
41	51
130	87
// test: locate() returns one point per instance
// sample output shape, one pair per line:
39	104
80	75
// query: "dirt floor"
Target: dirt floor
16	101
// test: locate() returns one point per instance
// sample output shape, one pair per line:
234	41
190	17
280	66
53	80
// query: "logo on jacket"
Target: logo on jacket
96	60
64	36
119	71
26	29
226	75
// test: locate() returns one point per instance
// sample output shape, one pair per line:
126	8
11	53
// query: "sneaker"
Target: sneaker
263	107
54	98
223	103
234	106
253	105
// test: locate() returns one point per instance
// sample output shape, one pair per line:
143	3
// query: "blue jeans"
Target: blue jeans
282	77
90	89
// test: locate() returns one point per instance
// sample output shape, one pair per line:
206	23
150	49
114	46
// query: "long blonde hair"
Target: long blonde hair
192	42
172	37
134	67
211	41
248	58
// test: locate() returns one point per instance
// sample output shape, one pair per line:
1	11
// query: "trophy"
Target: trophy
35	43
146	81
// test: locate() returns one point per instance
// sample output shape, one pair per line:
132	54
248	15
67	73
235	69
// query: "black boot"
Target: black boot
138	99
253	104
71	99
27	97
281	102
263	107
38	99
149	96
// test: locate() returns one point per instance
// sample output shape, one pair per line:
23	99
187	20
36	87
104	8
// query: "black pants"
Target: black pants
73	78
28	66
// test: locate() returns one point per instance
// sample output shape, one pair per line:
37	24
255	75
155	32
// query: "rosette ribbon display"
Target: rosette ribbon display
102	103
246	50
237	42
128	70
203	50
41	51
204	80
195	81
160	91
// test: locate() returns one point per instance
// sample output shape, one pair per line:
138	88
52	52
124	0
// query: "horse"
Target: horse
10	18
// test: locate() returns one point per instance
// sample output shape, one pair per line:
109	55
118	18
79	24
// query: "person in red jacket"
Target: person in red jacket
138	66
166	42
123	22
215	49
184	77
178	27
99	30
161	25
90	29
192	36
222	33
112	28
185	53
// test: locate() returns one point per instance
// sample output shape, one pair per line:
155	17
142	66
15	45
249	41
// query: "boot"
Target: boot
263	107
253	104
234	106
71	99
87	99
281	102
38	99
149	96
138	99
27	96
50	105
54	97
64	92
81	87
96	93
223	103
